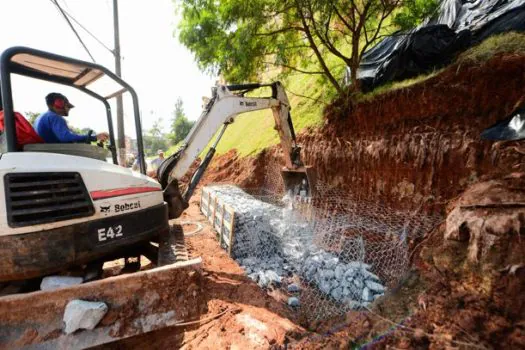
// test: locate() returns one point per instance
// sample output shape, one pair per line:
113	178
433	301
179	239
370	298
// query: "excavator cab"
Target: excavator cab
64	208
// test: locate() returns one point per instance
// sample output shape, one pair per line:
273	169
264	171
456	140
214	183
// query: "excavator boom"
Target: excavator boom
226	103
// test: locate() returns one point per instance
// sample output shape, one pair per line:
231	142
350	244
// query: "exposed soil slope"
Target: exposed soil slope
419	147
409	147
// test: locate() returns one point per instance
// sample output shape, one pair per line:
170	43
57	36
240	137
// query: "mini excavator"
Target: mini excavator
64	206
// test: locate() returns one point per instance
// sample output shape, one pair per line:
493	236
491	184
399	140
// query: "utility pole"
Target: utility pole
121	143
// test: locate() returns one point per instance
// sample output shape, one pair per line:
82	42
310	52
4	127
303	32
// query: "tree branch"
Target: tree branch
294	68
314	47
341	17
279	31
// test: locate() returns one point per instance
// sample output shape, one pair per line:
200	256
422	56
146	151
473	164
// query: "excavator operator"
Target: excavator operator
53	128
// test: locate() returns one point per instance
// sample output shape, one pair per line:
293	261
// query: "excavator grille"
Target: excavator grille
38	198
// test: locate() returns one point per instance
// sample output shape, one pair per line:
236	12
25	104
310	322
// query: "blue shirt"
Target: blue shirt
53	128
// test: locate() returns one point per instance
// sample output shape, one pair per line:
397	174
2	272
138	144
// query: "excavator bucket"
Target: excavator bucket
300	181
136	303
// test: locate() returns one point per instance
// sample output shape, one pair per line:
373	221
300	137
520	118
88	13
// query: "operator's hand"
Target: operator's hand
103	136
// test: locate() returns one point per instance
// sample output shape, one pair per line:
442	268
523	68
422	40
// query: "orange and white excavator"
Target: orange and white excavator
65	208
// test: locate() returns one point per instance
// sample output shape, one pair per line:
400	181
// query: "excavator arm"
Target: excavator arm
226	103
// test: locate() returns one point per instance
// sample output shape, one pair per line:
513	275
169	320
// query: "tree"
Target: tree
31	117
414	12
238	38
155	139
180	126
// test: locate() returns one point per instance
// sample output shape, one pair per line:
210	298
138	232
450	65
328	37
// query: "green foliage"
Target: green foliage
252	132
241	39
498	44
228	36
31	116
414	12
180	126
155	139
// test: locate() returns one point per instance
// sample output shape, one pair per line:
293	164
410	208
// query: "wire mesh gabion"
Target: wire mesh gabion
328	254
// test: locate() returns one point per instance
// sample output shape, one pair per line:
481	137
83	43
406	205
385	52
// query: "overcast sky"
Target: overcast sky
153	62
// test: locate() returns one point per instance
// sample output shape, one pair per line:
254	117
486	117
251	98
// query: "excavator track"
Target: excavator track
172	248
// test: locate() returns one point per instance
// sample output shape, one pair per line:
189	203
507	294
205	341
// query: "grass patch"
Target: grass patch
172	149
254	131
403	84
511	42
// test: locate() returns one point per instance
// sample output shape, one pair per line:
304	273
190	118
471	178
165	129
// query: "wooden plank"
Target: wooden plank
218	220
231	225
211	212
205	202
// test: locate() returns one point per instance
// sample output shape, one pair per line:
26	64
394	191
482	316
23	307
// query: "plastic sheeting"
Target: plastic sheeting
458	25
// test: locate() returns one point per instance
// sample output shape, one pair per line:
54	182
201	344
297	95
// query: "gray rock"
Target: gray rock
293	301
248	261
272	276
358	283
374	286
293	288
359	265
339	272
331	263
263	280
54	282
366	295
80	314
371	276
377	296
325	287
350	273
336	293
328	274
353	304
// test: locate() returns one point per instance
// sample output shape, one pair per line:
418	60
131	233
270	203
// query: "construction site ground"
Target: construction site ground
415	149
238	314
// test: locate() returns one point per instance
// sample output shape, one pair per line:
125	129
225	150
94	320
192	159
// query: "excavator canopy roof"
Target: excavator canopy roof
64	70
90	78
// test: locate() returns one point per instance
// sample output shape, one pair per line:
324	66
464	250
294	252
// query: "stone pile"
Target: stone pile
272	243
350	283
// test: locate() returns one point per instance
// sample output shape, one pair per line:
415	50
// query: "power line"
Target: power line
73	28
87	31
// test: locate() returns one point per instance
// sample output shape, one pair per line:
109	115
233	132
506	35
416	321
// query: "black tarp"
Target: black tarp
458	25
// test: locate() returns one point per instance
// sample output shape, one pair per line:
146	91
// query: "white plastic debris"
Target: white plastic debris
54	282
81	314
